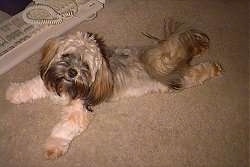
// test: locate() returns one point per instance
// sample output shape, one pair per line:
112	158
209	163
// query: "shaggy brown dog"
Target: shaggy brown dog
77	72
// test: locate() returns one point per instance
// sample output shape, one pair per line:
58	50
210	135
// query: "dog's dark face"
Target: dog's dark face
74	66
69	75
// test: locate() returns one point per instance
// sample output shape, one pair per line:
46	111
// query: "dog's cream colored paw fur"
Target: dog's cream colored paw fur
14	94
55	148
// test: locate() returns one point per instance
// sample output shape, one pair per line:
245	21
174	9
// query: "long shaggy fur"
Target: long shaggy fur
77	69
168	61
81	54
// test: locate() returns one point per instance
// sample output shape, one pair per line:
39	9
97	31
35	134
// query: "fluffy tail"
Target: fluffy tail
168	61
169	27
195	41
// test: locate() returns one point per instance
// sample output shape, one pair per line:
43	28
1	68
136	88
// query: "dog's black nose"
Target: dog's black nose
72	73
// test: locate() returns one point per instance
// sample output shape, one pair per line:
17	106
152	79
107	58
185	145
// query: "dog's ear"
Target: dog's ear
48	50
102	87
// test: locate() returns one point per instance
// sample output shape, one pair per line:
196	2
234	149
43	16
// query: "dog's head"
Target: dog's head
73	65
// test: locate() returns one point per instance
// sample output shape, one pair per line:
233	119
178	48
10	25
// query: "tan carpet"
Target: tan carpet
205	126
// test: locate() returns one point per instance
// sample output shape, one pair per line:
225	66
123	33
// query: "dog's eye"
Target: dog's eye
65	56
86	66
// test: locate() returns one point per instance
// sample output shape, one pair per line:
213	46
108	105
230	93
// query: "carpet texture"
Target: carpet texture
206	126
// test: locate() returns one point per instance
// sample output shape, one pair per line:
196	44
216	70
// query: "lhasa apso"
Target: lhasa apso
77	72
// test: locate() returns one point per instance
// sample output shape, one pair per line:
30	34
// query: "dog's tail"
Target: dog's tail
170	27
169	60
195	41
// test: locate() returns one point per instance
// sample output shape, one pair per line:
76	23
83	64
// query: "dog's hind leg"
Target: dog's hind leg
75	120
27	91
197	74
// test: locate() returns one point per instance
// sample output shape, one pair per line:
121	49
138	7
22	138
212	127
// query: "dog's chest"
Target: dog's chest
61	100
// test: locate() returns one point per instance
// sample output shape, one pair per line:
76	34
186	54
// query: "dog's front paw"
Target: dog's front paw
55	148
15	94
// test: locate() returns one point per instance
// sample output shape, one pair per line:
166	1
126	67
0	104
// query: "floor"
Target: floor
206	126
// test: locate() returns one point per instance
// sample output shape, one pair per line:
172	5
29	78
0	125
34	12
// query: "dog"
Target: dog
77	71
